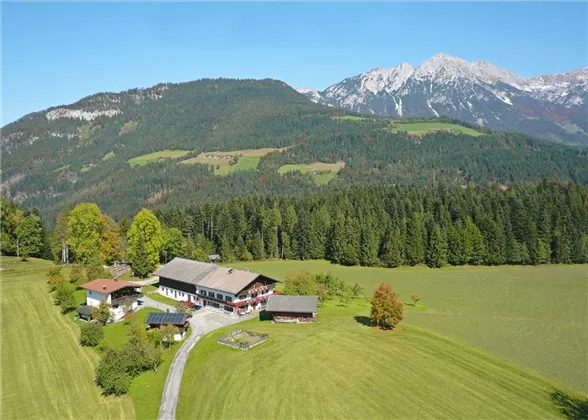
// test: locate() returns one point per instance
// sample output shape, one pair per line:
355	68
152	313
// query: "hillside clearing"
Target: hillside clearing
248	159
45	372
152	157
340	368
323	172
535	316
349	118
422	128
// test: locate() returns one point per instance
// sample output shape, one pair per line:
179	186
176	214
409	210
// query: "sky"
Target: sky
57	53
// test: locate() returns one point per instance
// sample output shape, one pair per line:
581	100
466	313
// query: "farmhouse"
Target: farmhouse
158	320
292	309
234	292
114	292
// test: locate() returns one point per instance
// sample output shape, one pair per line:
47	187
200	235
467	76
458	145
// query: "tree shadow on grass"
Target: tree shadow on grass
364	320
571	406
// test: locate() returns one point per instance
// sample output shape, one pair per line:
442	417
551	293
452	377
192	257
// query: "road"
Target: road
152	303
202	322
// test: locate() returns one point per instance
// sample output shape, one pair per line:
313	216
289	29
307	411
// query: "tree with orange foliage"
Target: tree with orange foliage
387	308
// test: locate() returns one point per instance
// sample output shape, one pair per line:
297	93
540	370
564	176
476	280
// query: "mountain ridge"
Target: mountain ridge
552	107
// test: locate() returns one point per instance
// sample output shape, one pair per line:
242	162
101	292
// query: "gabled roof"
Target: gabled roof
208	275
107	286
165	318
295	304
186	271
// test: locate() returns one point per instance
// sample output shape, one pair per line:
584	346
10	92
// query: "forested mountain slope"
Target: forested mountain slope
80	152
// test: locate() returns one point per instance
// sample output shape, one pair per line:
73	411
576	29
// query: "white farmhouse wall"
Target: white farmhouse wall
179	295
94	298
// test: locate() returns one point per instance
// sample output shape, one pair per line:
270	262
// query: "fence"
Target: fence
242	339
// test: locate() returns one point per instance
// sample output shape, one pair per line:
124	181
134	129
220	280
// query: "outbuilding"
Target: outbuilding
160	319
292	309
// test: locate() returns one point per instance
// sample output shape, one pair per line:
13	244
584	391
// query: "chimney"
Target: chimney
104	287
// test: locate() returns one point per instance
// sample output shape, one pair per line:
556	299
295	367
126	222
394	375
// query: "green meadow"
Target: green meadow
46	374
323	172
427	127
340	368
248	160
534	316
152	157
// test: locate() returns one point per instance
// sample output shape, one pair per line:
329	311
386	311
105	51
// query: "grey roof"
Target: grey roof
296	304
85	310
165	318
207	275
187	271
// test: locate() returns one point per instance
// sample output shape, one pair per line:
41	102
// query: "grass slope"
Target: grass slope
339	368
45	372
425	127
325	172
535	316
151	157
248	160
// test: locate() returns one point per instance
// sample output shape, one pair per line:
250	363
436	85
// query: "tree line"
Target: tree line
386	226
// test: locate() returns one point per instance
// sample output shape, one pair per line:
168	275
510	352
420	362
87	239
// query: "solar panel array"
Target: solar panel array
165	318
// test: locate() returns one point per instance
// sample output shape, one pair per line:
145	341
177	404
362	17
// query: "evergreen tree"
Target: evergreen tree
368	255
437	249
415	244
141	263
391	252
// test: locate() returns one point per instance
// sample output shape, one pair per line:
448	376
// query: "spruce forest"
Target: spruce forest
387	226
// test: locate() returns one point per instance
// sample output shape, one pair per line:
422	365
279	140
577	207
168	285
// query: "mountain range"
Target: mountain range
553	107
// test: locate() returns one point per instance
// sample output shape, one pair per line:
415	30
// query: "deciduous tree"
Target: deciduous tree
387	308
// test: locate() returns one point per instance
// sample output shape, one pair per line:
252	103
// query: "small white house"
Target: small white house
114	292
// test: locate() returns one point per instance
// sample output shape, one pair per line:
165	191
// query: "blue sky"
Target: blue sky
57	53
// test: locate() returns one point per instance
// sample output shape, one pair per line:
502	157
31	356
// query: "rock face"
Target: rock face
554	107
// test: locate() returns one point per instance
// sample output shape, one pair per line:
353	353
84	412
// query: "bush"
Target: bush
55	278
92	334
64	297
77	275
111	373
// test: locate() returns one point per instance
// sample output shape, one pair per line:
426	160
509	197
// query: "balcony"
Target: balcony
120	300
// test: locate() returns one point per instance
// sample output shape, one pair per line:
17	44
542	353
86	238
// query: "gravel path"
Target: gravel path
152	303
202	322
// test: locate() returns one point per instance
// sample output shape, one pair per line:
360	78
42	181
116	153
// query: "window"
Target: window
228	298
211	294
90	292
243	297
219	296
228	309
214	304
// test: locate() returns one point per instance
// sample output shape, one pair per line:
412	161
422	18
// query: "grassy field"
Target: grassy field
325	172
536	316
115	335
248	160
108	155
349	118
152	157
340	368
46	374
426	127
163	299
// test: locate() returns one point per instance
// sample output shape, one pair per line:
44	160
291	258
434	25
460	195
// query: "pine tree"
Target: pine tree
437	249
368	255
391	252
415	245
141	264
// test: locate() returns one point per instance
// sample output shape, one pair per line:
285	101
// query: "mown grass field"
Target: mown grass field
535	316
46	374
340	368
426	127
325	172
152	157
248	160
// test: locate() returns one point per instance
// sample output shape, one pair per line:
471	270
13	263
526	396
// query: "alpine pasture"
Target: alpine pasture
45	372
535	316
341	368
